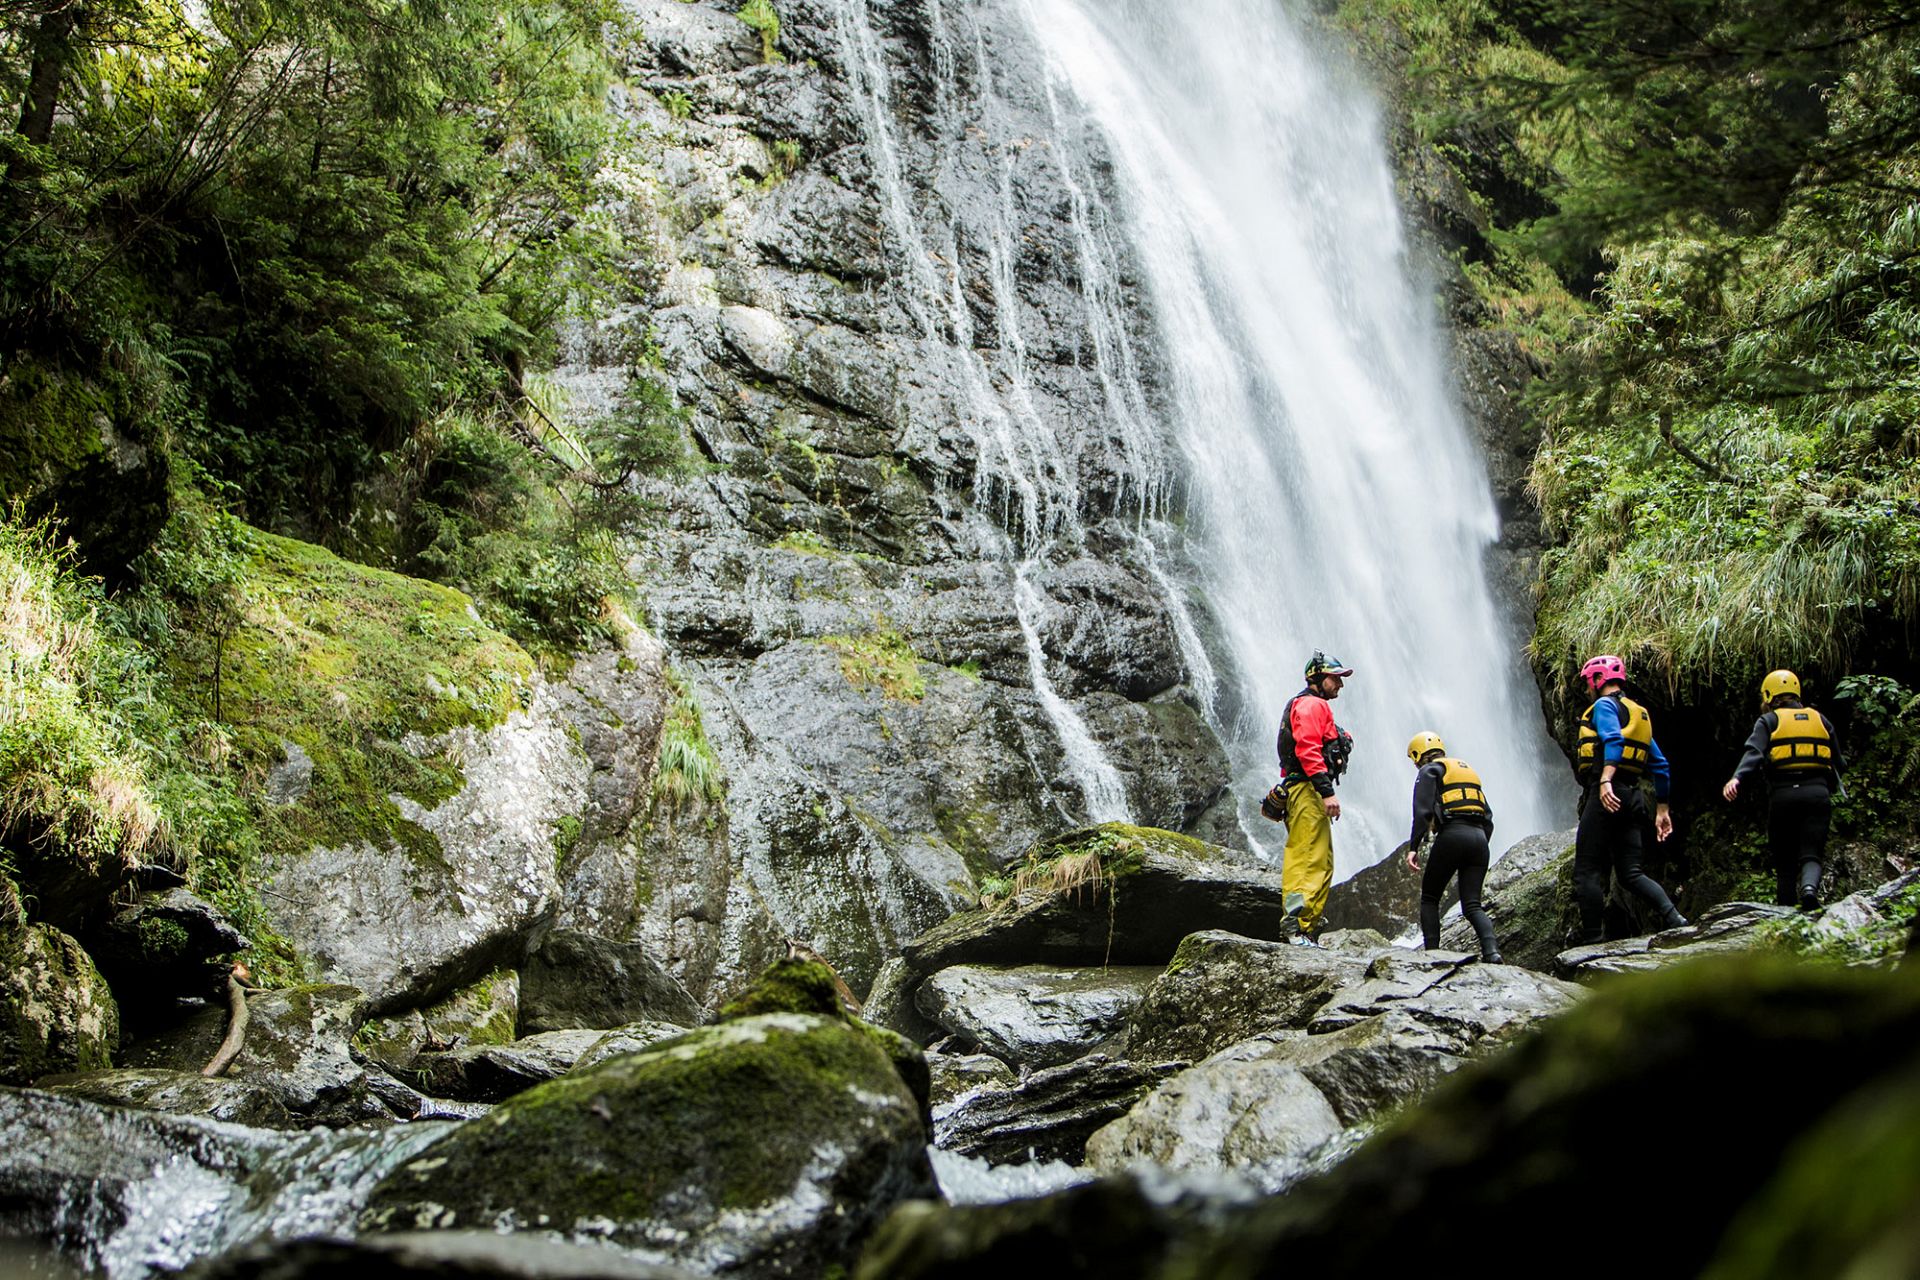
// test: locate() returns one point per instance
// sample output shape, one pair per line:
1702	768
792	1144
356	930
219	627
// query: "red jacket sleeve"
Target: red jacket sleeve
1312	726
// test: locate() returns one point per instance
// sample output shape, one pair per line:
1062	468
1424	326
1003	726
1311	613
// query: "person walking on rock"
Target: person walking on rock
1449	803
1616	749
1794	748
1313	754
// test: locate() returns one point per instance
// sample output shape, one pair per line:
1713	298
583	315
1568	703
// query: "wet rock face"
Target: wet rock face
1032	1015
1731	926
180	1093
767	1146
861	503
1049	1114
1221	988
576	980
297	1048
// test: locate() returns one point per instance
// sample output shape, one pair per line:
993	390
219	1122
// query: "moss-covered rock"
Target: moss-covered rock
485	1013
807	986
56	1011
576	980
415	853
769	1146
178	1093
1733	1043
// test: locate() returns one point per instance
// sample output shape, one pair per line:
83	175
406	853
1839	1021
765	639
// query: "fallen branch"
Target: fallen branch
236	1023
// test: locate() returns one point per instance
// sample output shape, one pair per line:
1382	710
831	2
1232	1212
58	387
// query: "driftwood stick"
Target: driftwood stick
236	1025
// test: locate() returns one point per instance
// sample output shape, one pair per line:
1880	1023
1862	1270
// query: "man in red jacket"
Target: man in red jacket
1313	755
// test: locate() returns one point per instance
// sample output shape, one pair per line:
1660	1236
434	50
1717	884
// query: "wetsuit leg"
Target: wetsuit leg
1460	849
1624	831
1473	876
1592	859
1433	887
1798	818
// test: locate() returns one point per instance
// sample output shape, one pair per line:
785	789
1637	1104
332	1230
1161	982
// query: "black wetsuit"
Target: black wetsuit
1616	842
1459	848
1799	811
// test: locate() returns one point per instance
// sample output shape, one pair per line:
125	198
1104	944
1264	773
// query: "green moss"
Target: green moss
788	986
765	19
566	835
162	941
726	1117
881	659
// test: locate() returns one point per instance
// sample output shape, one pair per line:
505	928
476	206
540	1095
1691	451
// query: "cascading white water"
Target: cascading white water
1333	498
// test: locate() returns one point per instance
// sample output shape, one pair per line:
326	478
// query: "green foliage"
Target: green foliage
678	104
882	659
74	773
763	18
297	228
687	777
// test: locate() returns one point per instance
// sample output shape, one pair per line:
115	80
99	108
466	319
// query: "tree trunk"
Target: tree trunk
50	52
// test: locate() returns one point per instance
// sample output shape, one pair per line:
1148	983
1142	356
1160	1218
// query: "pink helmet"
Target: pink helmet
1602	669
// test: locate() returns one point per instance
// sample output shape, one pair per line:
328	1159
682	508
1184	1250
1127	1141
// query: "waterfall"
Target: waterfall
1335	498
1299	403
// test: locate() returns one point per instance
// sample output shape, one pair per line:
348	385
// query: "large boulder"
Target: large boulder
1048	1114
487	1012
1108	895
1221	988
56	1011
768	1146
298	1046
1033	1015
1526	1137
415	769
180	1092
577	980
1258	1110
1731	926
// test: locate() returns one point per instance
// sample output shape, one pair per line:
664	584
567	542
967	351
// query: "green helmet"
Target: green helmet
1321	664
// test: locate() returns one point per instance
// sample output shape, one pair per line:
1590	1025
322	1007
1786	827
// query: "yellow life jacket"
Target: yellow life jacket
1460	793
1799	742
1636	740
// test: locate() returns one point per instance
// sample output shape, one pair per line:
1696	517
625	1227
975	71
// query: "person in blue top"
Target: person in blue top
1616	749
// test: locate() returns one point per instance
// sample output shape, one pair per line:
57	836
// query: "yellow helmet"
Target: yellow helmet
1422	743
1778	684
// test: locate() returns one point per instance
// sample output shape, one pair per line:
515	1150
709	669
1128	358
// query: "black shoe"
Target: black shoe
1493	958
1809	900
1676	921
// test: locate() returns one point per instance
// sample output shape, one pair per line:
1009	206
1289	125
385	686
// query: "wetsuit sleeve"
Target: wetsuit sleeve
1312	726
1753	760
1606	723
1657	766
1426	791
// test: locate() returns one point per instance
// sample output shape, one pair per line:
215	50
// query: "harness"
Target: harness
1636	740
1799	742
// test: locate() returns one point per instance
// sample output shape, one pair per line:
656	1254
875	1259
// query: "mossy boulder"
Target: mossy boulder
766	1146
794	985
417	851
1533	1135
487	1012
56	1011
